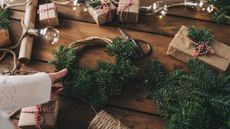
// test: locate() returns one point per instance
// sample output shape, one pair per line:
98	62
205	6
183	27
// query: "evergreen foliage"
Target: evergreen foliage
198	99
200	35
93	3
99	84
222	9
4	18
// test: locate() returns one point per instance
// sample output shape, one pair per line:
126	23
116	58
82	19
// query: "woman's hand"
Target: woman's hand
58	75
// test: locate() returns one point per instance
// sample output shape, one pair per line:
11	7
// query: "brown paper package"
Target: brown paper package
48	17
131	13
4	38
48	119
100	16
182	49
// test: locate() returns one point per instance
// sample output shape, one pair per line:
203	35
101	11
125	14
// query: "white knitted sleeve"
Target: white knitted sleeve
21	91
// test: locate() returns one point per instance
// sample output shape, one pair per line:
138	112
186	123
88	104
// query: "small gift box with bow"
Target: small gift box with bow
215	54
104	12
48	15
36	117
4	38
128	11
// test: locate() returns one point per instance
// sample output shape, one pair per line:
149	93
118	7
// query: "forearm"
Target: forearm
22	91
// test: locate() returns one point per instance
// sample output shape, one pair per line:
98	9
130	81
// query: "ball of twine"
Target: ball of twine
104	120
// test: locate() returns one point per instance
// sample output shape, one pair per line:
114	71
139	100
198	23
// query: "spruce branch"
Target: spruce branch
200	35
195	100
93	3
4	18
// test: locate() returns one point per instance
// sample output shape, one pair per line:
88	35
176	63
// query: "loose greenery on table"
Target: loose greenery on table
198	99
93	3
222	9
4	18
96	85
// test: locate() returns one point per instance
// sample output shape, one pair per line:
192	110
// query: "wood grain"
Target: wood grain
131	106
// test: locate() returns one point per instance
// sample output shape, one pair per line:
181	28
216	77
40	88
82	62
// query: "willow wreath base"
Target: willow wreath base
96	85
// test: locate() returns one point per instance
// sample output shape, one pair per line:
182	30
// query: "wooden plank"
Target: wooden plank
168	26
76	115
178	11
72	31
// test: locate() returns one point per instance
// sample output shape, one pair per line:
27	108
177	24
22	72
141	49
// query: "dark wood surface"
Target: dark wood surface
131	106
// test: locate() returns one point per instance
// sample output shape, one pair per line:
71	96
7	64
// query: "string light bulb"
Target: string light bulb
210	8
164	11
49	33
75	5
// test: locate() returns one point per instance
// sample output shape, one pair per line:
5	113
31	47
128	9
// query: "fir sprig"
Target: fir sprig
194	100
222	9
200	35
93	3
99	84
4	18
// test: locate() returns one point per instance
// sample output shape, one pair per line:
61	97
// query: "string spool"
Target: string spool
104	120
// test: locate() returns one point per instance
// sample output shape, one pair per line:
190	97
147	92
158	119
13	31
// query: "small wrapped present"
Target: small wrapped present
48	15
105	12
36	117
4	38
128	11
182	48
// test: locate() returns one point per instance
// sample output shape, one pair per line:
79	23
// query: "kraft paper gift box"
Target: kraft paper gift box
48	116
48	15
182	49
4	38
128	11
102	14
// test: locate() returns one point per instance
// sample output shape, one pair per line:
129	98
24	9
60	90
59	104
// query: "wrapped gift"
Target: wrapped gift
4	38
37	117
182	48
128	11
105	12
48	15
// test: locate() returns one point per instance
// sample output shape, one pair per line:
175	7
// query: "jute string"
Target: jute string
10	49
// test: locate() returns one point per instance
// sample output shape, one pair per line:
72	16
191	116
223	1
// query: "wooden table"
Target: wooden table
131	106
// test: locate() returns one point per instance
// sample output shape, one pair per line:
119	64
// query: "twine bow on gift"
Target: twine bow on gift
201	48
122	8
105	7
46	10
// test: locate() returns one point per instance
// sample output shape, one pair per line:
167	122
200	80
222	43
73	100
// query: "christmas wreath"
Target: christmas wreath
96	85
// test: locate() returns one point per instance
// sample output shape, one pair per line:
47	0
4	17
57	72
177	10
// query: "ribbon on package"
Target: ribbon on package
122	8
183	48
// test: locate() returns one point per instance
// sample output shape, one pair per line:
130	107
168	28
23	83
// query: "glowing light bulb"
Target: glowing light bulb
164	11
160	16
210	8
49	33
75	5
157	5
85	10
